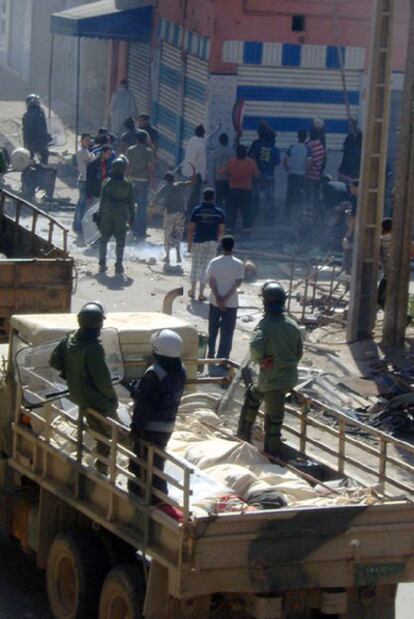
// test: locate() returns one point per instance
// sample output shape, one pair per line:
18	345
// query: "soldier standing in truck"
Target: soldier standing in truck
80	359
276	346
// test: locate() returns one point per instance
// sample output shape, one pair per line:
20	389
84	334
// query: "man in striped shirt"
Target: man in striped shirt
316	166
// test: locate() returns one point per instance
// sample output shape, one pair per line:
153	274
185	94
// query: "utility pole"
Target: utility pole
395	321
363	302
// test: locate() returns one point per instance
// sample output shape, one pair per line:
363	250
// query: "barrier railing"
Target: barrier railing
32	226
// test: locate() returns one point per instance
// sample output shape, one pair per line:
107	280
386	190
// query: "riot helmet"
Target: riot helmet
274	296
91	315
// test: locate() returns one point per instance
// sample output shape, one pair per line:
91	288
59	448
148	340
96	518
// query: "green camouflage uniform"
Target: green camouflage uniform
81	362
276	336
115	212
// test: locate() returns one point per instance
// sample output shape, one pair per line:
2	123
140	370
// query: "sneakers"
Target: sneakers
119	269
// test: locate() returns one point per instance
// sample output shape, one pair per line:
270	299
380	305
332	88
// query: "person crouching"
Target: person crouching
156	401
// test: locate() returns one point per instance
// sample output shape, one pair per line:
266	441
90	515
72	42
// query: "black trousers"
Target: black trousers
160	440
382	292
225	322
239	200
295	195
222	193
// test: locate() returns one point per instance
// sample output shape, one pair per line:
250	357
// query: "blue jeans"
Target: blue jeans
80	208
225	322
141	199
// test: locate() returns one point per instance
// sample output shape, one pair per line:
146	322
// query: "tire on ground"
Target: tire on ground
76	568
123	593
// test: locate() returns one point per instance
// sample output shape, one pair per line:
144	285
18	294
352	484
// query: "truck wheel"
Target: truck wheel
76	568
123	593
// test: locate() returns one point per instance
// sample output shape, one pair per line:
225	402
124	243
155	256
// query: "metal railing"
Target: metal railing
36	214
368	459
116	437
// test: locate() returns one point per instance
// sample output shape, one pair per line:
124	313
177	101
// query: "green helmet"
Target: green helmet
273	294
119	165
91	315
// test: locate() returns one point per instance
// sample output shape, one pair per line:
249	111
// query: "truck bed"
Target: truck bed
288	548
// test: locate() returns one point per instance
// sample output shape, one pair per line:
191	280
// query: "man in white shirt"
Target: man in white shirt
83	159
225	275
195	159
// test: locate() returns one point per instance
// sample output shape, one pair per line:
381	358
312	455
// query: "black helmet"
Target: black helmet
273	294
91	315
32	99
119	165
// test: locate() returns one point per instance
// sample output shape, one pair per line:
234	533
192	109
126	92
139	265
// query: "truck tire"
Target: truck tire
123	593
76	569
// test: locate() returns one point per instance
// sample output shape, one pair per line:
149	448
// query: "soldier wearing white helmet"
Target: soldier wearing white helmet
156	401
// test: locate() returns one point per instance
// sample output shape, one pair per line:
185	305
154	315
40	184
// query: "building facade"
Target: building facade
283	62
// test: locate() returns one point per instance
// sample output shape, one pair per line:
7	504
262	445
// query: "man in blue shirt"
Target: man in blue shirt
206	228
267	157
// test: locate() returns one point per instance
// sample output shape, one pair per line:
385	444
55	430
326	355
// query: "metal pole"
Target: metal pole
77	93
52	50
363	298
395	320
340	58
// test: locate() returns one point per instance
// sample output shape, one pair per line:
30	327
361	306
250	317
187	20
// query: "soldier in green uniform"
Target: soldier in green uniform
80	359
276	346
116	211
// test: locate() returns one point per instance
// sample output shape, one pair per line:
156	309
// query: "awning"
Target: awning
105	20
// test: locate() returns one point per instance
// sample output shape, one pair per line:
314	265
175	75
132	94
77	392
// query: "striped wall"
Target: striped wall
182	90
289	85
188	41
289	98
289	55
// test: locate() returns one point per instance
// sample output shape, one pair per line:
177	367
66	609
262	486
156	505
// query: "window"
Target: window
298	23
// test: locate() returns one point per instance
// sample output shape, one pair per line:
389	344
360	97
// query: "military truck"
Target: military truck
36	270
112	554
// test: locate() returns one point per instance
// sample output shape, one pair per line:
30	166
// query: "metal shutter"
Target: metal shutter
195	95
169	102
289	98
17	19
139	74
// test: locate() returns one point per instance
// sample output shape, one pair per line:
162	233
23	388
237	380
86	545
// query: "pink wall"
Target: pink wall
259	20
